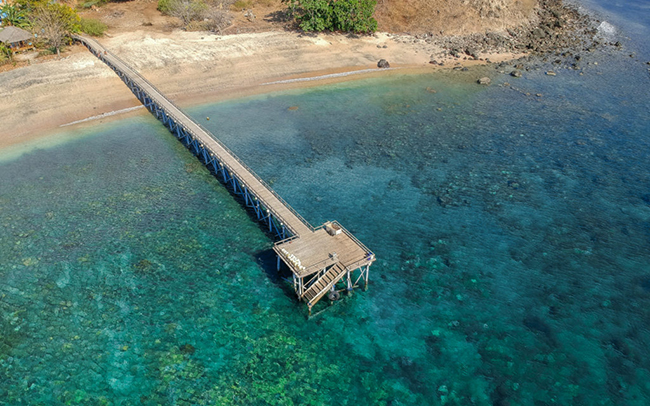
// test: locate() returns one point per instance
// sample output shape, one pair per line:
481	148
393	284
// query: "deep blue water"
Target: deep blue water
512	233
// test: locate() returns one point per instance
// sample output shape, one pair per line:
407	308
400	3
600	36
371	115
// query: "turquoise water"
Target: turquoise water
512	233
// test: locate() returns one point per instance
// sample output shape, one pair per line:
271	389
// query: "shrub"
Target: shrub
187	10
240	5
47	51
334	15
163	6
5	54
217	20
91	3
92	27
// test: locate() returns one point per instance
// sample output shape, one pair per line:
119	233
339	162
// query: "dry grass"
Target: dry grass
451	16
398	16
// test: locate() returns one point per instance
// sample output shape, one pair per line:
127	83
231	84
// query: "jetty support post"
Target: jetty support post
366	277
350	287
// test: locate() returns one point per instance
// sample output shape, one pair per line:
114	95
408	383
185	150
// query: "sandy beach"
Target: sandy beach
194	67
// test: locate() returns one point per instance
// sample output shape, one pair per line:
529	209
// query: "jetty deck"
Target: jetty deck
319	258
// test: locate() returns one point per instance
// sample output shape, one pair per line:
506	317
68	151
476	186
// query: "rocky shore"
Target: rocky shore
556	29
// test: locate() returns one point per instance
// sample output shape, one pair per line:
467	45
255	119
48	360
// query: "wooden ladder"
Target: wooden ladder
319	288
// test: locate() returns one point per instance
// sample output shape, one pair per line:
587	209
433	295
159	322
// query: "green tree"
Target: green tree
316	15
55	22
335	15
355	15
14	15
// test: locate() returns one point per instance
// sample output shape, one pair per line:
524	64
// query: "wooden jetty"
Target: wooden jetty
324	260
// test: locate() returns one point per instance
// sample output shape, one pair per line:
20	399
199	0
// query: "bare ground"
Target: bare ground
451	17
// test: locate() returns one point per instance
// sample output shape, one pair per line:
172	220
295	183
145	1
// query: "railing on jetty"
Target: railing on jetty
312	254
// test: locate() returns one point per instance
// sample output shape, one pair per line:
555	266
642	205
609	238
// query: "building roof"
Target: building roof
11	35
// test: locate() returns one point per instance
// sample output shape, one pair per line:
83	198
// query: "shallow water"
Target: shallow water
512	233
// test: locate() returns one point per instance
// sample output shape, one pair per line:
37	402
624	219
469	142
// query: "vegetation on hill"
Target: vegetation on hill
52	22
92	27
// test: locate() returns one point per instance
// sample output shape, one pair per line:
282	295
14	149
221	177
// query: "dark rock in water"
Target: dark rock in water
537	325
484	81
465	69
515	74
645	284
617	44
383	64
513	184
444	200
502	394
433	345
187	349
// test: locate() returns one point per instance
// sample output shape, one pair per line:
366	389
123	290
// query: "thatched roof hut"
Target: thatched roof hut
14	37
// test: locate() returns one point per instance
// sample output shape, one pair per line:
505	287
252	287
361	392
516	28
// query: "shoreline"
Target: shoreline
49	136
80	91
193	68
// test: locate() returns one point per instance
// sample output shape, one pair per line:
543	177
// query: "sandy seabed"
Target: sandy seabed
192	68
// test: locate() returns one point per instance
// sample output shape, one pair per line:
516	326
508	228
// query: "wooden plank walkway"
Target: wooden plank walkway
279	208
318	257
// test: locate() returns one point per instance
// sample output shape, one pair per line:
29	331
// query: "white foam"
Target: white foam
110	113
331	75
606	29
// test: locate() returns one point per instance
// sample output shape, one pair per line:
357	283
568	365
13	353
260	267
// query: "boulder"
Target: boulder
383	64
472	52
515	74
484	81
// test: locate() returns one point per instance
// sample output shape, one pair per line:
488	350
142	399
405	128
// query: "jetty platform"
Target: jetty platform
324	261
